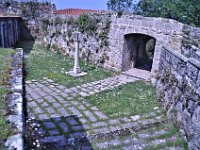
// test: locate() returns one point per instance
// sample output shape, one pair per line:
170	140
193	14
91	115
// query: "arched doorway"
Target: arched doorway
138	51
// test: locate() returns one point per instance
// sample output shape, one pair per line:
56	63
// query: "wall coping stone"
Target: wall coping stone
177	54
16	102
195	62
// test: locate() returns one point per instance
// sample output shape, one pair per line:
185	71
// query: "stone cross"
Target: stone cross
76	72
52	3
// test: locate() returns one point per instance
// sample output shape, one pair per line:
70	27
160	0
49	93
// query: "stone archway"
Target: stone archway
138	51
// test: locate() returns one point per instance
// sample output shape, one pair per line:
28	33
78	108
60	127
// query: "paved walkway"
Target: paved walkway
67	121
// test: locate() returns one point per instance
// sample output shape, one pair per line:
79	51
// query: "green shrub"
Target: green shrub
87	24
58	21
45	23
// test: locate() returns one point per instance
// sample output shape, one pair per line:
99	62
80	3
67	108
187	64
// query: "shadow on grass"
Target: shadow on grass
65	132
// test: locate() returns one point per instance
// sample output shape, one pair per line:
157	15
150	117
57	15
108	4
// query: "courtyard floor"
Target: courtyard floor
101	111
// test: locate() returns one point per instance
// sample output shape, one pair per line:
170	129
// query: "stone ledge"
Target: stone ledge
15	99
195	62
177	54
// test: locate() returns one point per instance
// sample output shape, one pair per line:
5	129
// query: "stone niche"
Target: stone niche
138	51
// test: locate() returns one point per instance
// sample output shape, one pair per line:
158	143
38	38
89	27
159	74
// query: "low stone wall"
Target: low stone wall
15	104
178	88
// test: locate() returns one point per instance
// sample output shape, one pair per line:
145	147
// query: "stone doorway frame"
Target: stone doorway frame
157	50
128	49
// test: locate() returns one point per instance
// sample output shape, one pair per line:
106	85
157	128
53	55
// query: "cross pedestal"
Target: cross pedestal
76	72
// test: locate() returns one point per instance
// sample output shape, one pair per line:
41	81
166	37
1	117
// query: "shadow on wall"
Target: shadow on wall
26	45
65	132
25	32
27	41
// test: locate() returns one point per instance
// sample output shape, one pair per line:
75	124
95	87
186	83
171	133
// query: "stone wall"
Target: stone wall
9	31
191	42
59	30
178	88
166	32
32	13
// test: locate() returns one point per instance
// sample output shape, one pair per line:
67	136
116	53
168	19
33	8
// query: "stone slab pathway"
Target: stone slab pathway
64	119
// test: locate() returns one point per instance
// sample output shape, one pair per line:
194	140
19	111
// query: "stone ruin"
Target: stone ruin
154	44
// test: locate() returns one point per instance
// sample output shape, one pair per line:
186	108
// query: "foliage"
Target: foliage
186	11
87	24
70	21
120	5
58	21
182	10
45	23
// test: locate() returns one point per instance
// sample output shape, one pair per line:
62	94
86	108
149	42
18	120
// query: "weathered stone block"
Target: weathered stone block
192	71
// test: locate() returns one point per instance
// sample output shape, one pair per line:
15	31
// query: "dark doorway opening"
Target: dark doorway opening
138	51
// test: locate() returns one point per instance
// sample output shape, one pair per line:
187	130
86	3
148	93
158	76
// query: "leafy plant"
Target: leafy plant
58	21
87	24
45	23
120	5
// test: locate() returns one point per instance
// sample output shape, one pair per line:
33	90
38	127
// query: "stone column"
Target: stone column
76	54
76	72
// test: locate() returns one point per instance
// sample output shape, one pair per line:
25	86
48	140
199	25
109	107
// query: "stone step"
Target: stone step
127	129
129	141
130	128
139	141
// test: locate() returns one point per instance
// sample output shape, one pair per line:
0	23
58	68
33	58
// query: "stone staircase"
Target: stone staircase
147	131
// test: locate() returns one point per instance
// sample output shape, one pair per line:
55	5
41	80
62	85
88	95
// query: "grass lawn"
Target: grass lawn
126	100
5	66
40	63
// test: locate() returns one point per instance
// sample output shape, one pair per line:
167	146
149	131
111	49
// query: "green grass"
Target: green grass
126	100
5	66
173	131
41	63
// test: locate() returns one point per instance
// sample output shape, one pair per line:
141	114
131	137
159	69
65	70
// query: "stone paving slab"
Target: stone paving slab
66	117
